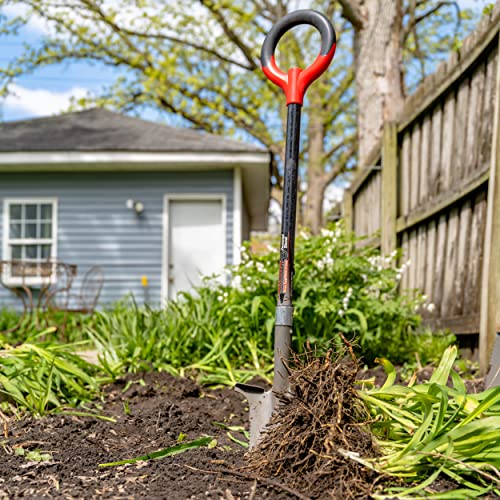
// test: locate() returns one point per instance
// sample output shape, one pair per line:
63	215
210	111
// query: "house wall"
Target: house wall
96	228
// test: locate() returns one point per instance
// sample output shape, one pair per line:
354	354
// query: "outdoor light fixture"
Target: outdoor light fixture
137	206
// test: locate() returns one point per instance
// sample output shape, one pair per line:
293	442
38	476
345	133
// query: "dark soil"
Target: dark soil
148	418
152	410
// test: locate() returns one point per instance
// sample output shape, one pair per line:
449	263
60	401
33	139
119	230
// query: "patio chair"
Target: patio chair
83	300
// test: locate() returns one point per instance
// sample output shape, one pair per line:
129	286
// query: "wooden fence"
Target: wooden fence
433	189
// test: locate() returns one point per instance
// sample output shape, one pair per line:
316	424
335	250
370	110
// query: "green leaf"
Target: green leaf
165	452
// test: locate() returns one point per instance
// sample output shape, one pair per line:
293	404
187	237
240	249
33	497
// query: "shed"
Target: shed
154	206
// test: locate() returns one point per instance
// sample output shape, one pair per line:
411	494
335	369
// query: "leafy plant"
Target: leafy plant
41	376
430	430
224	330
36	455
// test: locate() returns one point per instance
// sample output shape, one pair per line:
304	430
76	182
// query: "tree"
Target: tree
198	59
388	36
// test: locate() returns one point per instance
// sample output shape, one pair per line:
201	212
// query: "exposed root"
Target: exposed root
319	417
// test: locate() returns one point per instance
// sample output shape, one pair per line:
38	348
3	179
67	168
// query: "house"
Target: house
152	205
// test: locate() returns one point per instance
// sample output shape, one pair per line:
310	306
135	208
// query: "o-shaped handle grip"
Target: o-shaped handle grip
296	82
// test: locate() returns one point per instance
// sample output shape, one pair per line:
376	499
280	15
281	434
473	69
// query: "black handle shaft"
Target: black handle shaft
289	208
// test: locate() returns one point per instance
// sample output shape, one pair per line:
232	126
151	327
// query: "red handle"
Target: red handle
297	80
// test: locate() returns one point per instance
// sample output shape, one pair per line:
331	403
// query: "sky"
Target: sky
49	90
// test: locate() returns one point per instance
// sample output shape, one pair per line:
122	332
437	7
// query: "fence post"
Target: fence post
490	288
389	195
347	210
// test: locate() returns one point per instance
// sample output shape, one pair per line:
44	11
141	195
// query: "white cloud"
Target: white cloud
35	23
40	102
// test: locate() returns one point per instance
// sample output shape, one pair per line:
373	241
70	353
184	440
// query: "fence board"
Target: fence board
474	264
449	292
421	256
487	114
366	205
462	257
413	259
414	172
435	166
447	145
460	133
405	278
430	260
405	176
424	166
440	263
475	120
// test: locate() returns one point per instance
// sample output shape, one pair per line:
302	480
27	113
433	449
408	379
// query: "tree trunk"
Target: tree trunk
378	59
313	210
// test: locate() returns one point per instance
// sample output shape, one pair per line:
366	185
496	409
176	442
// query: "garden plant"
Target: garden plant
346	295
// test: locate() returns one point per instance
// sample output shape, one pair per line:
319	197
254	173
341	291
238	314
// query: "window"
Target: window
29	237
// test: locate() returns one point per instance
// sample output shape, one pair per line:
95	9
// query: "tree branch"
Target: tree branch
214	9
352	12
340	166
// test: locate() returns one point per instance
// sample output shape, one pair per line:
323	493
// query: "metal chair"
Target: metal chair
84	300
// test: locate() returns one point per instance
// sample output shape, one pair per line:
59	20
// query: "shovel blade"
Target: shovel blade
261	407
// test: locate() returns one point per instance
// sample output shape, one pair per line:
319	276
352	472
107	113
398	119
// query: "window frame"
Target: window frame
8	241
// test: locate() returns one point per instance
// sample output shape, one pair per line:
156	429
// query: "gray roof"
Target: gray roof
103	130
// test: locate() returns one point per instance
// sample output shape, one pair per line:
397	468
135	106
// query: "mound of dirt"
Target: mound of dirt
317	427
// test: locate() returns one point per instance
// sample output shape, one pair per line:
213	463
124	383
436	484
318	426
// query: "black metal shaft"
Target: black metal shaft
289	208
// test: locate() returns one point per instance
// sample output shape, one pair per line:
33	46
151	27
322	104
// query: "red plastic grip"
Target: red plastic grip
297	81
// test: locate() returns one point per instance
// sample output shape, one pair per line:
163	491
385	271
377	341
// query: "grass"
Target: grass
41	376
165	452
436	429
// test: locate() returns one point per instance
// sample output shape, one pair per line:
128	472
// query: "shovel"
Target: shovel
263	403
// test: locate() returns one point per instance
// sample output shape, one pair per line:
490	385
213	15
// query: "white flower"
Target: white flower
431	307
219	298
341	313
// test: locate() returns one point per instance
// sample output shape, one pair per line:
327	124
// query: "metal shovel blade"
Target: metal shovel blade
261	407
262	403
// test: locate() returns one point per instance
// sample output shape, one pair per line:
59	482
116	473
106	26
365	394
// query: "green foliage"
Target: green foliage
207	441
224	331
43	376
339	286
430	430
191	335
35	455
57	326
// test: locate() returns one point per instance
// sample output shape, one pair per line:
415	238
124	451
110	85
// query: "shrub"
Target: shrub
225	329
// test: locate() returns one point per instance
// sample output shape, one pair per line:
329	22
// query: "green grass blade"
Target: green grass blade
165	452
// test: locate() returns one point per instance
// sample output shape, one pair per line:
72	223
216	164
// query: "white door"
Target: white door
196	243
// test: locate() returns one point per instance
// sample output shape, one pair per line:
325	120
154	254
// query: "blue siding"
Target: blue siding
96	228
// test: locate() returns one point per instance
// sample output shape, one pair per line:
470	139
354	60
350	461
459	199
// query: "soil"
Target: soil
151	411
148	417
